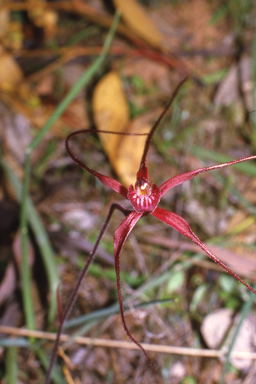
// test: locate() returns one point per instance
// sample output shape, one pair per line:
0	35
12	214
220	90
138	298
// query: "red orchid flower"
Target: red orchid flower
144	199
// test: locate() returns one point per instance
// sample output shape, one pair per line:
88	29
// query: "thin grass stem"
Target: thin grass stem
38	230
11	365
25	269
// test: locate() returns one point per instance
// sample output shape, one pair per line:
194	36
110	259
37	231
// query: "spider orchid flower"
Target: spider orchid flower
144	198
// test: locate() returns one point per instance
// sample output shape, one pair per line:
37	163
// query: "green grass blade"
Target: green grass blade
11	365
40	234
17	342
25	268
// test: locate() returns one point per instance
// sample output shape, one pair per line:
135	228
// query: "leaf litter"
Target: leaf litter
187	41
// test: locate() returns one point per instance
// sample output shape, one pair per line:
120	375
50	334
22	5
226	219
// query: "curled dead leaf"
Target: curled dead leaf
10	73
130	150
136	18
111	111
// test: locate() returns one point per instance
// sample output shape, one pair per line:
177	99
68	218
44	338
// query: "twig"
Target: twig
22	332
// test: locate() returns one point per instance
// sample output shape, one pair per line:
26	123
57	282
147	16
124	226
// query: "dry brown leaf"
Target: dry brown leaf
36	10
10	73
111	112
214	331
130	151
4	20
215	327
136	18
13	38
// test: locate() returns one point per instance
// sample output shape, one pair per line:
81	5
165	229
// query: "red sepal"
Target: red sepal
176	180
178	223
123	231
106	180
143	172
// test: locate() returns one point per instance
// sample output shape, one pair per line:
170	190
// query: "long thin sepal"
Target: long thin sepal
108	181
178	223
176	180
153	129
120	237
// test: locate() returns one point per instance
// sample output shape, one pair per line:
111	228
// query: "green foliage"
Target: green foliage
189	380
198	297
175	282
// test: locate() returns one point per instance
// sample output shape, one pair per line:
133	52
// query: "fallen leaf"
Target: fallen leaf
10	73
215	327
4	20
14	36
36	10
130	150
111	112
136	18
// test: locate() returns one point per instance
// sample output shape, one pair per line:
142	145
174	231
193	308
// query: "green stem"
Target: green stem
25	270
11	365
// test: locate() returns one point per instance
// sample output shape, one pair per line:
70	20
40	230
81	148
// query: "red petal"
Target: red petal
178	223
176	180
